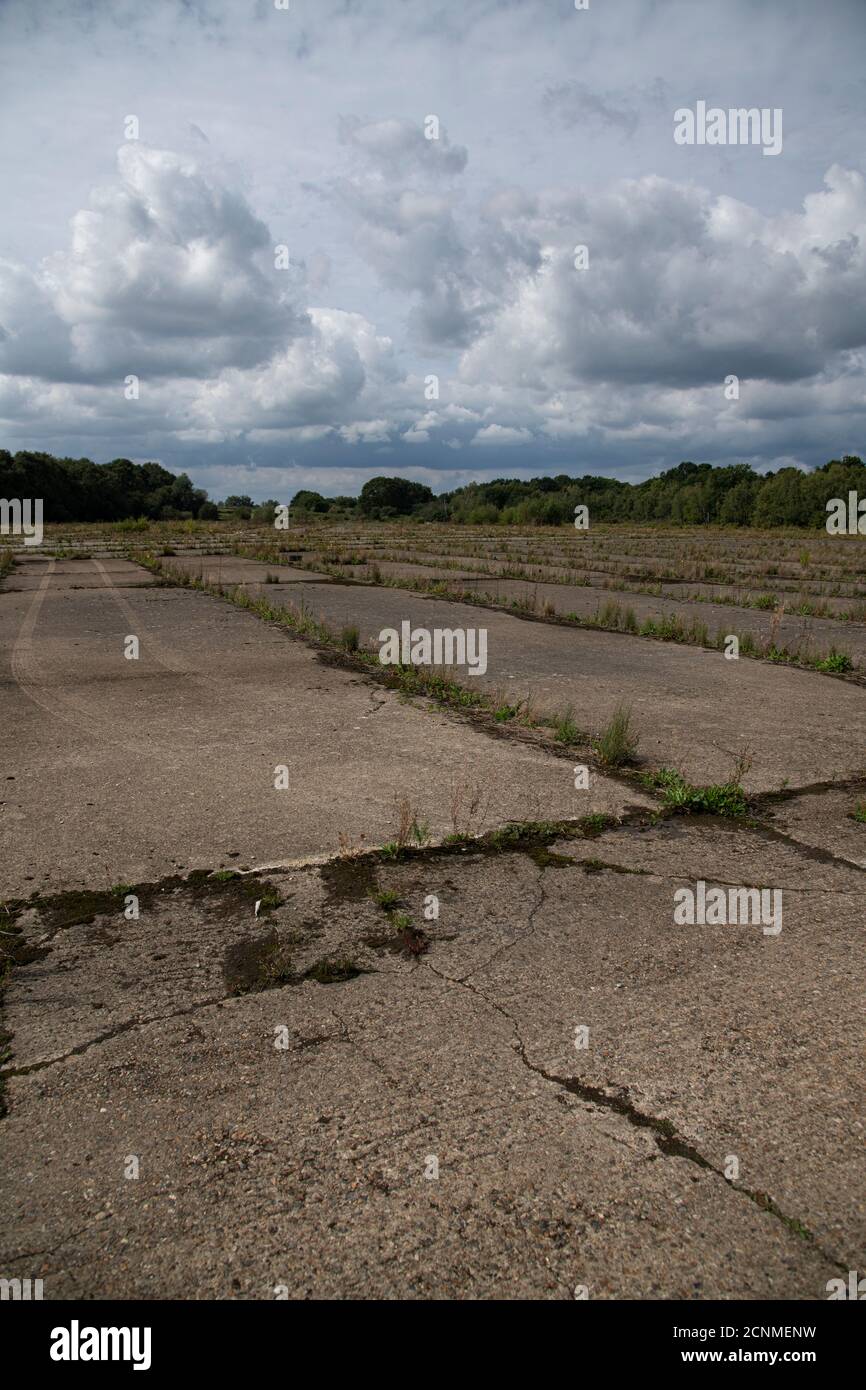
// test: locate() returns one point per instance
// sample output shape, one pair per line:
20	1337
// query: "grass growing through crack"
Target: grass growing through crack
615	747
505	711
595	823
835	662
387	898
275	966
859	813
612	617
270	898
333	972
681	797
408	938
410	831
565	729
617	743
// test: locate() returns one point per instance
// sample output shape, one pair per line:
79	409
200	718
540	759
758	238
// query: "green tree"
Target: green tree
392	497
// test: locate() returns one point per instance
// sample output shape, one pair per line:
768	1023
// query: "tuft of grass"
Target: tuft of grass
420	832
504	712
524	832
617	743
333	972
565	729
596	822
681	797
350	637
834	661
266	895
276	967
859	813
387	898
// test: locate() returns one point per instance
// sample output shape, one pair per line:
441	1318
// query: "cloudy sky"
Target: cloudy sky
263	369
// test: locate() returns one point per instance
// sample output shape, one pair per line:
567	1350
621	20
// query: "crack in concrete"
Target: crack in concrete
51	1250
509	945
814	852
670	1143
114	1032
372	1060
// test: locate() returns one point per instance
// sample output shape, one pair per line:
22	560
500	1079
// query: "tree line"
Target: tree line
691	494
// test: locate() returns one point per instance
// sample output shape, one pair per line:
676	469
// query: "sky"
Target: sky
302	246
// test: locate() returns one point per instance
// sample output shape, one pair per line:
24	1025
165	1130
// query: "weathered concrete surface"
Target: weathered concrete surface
815	636
824	819
304	1166
120	770
694	709
235	569
30	574
810	635
751	1044
834	584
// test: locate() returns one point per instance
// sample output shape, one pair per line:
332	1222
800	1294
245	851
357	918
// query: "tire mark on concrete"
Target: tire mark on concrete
65	707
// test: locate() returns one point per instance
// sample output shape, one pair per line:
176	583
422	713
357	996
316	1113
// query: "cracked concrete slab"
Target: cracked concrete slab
234	569
694	709
826	819
30	574
252	1085
287	1135
121	770
806	634
751	1045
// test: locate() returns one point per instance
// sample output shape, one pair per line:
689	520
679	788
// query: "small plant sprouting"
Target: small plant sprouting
834	662
387	898
617	743
681	797
565	729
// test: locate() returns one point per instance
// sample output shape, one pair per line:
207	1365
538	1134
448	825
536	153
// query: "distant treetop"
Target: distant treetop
690	494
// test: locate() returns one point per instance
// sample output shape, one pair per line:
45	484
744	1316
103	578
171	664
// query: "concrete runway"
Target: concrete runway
344	1097
695	710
